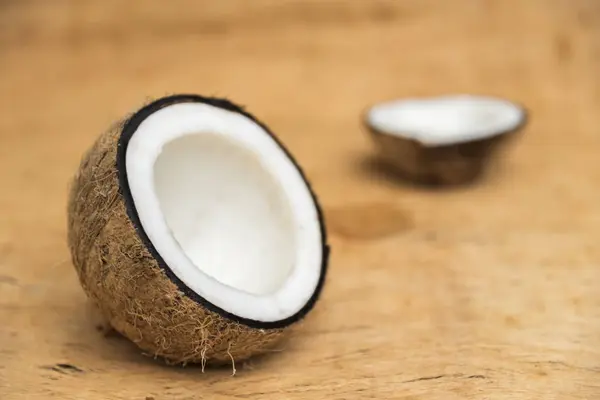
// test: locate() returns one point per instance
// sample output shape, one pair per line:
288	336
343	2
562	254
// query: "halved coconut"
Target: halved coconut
444	139
195	232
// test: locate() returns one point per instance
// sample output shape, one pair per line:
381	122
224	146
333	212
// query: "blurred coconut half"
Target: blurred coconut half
195	232
444	139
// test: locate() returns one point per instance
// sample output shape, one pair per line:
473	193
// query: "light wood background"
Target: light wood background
485	292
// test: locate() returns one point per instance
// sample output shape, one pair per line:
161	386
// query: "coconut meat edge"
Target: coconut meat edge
226	209
445	120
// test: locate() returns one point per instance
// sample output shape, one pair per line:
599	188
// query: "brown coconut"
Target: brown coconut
445	140
127	279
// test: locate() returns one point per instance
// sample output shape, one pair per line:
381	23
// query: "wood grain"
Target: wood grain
483	292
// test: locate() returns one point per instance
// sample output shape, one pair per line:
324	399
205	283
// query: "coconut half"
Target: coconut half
443	139
195	232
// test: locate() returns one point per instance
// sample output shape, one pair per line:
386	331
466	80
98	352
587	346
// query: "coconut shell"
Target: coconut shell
126	282
450	164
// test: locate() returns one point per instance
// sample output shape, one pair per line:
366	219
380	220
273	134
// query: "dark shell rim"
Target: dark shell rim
130	126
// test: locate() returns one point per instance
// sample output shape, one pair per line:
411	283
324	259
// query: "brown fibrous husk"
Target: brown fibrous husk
127	285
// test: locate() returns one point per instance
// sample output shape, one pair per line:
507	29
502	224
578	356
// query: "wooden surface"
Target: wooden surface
486	292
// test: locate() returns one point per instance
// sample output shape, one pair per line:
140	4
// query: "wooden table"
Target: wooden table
485	292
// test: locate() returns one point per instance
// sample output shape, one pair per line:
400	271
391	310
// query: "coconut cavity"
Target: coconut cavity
226	212
195	233
444	139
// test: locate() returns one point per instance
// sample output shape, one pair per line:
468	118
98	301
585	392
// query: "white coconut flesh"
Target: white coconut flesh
226	209
445	120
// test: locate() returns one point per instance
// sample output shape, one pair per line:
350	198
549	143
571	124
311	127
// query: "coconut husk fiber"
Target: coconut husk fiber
125	282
